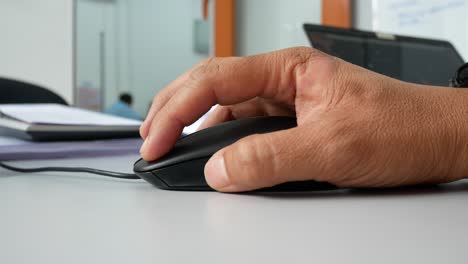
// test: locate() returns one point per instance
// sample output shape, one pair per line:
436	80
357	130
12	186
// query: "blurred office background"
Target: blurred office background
90	51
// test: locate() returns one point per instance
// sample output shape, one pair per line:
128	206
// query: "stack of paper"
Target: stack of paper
45	122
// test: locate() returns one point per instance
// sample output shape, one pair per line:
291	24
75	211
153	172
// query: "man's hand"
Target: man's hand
356	128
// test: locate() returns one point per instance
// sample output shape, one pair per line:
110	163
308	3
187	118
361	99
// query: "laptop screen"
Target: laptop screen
415	60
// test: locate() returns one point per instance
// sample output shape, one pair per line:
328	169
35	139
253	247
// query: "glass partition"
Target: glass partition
135	47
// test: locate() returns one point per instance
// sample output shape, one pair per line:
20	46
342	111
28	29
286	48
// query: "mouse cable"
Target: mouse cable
111	174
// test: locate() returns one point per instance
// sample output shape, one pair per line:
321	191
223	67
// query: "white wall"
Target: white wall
362	18
267	25
438	19
36	43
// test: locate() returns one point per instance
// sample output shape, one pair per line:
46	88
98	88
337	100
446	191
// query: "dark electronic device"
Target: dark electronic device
416	60
460	80
183	167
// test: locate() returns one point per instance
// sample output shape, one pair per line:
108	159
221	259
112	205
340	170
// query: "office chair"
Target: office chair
18	92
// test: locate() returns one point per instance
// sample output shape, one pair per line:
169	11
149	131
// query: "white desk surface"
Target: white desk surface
76	218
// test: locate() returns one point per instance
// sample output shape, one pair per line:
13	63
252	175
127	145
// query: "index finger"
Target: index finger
161	98
224	81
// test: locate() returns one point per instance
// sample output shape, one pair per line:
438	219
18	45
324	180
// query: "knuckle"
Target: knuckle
206	69
359	86
252	161
316	76
157	100
335	83
302	52
304	55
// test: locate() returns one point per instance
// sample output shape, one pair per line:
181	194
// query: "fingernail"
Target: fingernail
215	172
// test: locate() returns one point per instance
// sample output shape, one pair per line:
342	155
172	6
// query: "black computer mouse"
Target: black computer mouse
183	167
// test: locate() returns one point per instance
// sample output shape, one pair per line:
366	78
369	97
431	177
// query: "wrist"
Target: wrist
456	107
443	130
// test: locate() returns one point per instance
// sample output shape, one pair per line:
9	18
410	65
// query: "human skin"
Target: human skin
356	128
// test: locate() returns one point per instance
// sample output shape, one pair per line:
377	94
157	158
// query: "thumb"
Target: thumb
256	161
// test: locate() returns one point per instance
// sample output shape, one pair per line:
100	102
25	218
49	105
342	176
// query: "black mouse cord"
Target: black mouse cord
72	169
